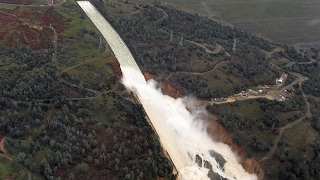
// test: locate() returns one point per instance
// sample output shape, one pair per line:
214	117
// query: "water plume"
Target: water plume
182	129
178	122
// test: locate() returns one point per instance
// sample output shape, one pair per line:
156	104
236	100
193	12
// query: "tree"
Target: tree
45	168
71	176
82	168
282	157
21	156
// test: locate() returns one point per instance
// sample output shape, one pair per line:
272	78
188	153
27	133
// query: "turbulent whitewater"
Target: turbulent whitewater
182	133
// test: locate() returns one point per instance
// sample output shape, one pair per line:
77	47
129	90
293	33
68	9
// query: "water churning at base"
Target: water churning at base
182	133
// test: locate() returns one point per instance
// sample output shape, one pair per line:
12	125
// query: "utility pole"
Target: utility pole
234	45
171	36
106	50
303	53
100	43
181	41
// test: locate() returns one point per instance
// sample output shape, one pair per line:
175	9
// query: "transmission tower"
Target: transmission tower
181	41
171	37
234	45
100	43
303	53
107	48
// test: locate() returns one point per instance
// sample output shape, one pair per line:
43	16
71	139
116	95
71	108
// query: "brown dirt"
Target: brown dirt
165	86
169	90
219	133
17	28
252	166
148	75
9	176
50	112
2	149
115	66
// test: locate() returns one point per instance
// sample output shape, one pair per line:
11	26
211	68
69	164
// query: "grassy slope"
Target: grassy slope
84	47
11	169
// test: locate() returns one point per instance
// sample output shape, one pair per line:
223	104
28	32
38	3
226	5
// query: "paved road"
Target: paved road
165	15
282	129
268	54
198	73
216	51
135	12
299	46
300	78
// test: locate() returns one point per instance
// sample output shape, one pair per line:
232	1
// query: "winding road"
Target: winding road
216	51
198	73
282	129
300	79
165	15
5	155
81	63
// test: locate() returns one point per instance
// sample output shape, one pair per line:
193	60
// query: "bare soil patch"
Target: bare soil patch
28	27
2	149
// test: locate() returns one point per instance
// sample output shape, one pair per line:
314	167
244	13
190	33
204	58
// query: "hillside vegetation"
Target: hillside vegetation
206	59
65	115
285	21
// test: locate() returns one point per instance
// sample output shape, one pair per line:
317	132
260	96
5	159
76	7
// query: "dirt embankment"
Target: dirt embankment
168	89
115	66
2	149
165	86
219	133
148	75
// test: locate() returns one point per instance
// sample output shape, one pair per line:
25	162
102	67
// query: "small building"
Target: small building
281	98
219	99
281	79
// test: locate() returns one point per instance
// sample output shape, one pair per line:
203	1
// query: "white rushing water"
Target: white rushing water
181	132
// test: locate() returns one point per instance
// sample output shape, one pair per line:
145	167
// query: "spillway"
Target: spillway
181	132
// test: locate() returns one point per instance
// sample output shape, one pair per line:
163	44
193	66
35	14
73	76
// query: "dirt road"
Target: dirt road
81	63
198	73
282	129
5	155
